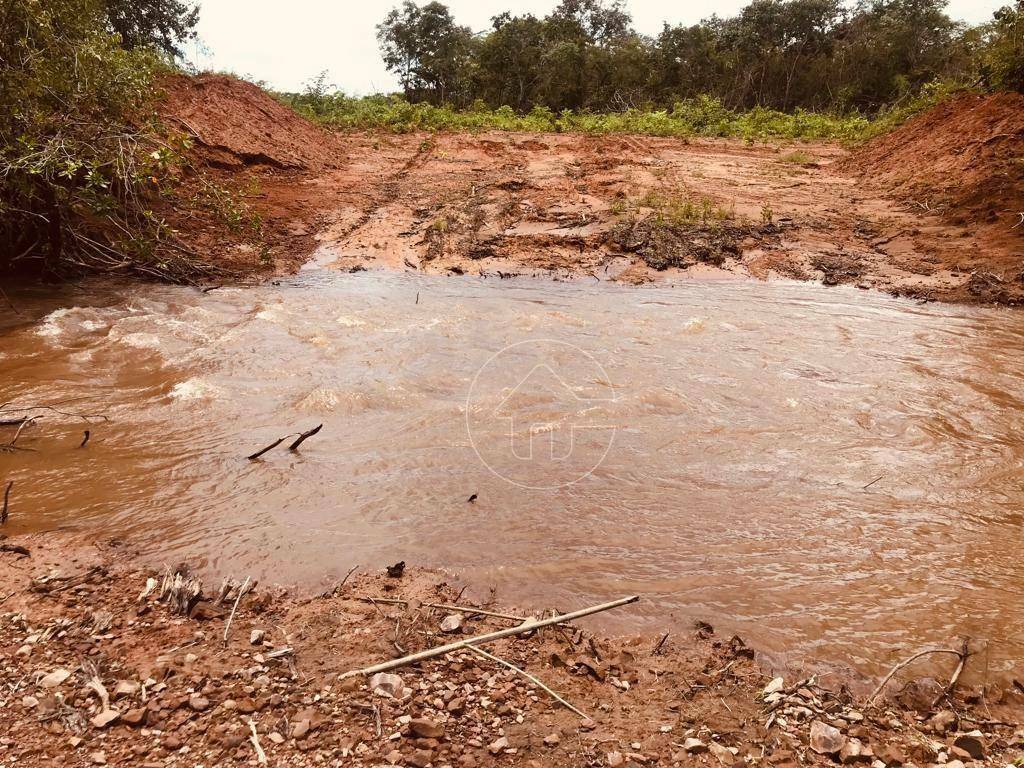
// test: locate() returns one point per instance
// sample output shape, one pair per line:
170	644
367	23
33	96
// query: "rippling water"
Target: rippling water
825	471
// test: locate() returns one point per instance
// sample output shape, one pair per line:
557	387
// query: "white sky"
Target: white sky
287	43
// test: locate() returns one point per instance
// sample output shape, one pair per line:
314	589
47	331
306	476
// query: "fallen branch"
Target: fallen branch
530	677
7	501
261	756
16	549
85	439
906	663
254	456
468	609
241	591
948	690
527	626
304	436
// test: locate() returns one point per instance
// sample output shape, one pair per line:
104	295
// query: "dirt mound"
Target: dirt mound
964	157
235	123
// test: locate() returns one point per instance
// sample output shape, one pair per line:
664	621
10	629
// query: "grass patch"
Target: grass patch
703	116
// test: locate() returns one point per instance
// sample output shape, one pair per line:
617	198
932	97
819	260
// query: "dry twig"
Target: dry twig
906	663
530	677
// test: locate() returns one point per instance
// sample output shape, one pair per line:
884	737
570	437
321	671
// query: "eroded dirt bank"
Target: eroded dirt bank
104	663
625	208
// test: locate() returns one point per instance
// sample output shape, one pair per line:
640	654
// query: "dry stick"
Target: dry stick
905	663
446	607
948	690
660	643
255	739
530	677
274	444
302	437
7	501
238	599
85	439
528	626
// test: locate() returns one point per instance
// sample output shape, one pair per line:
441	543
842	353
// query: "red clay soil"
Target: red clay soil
235	123
622	208
966	154
105	664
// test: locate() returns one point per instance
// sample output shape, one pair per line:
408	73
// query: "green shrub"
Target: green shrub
78	168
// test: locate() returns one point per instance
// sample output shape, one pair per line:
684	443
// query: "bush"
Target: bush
76	168
1003	58
703	116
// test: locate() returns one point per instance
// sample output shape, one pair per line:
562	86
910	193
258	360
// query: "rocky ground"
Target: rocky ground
104	663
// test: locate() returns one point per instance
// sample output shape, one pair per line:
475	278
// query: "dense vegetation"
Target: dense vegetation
778	54
79	166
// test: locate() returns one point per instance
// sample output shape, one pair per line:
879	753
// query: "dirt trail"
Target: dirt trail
101	668
624	208
634	210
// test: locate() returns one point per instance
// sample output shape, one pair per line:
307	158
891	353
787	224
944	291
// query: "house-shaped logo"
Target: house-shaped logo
546	416
538	414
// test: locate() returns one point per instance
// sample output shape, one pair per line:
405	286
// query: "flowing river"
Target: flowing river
830	473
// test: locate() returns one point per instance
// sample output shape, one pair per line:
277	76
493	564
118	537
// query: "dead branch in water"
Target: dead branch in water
305	436
254	456
10	446
528	626
85	439
908	662
948	690
300	437
7	501
531	678
88	417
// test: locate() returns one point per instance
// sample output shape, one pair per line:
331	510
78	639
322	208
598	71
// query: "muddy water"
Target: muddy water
827	472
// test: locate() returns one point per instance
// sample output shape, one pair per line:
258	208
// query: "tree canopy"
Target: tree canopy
781	54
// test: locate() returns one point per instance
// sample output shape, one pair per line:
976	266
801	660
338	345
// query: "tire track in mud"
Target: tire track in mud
391	191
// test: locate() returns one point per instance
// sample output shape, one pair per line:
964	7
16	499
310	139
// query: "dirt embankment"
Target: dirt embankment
962	160
102	663
624	208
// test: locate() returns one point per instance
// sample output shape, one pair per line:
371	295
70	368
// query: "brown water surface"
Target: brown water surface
827	472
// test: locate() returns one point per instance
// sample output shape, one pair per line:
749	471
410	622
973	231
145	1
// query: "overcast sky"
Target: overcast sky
286	43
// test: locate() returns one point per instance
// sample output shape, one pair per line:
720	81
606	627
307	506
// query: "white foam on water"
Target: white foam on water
349	322
195	389
320	400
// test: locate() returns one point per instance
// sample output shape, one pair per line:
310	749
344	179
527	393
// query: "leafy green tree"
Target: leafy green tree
427	49
1003	57
162	24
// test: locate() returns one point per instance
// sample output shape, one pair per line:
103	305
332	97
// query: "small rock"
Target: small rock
451	623
29	702
955	764
552	739
615	759
972	744
854	716
299	729
497	746
256	636
105	718
386	684
172	743
25	650
98	758
276	737
854	751
722	753
134	716
824	739
892	755
421	758
695	746
55	678
776	685
426	729
943	721
76	741
125	688
199	703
